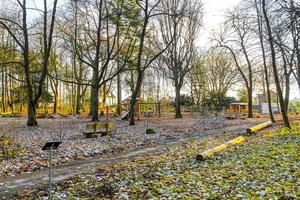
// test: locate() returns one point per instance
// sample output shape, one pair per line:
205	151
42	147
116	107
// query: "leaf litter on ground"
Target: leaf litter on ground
267	166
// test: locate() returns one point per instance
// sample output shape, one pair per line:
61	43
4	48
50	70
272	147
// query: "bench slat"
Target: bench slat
99	125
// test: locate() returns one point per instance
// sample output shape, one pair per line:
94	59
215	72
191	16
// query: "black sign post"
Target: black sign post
48	147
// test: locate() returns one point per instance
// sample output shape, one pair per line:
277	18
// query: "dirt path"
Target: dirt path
11	186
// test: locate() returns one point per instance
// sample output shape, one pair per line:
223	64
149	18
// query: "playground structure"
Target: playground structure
237	108
142	109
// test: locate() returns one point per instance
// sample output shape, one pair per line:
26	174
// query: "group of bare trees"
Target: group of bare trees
264	36
84	50
90	46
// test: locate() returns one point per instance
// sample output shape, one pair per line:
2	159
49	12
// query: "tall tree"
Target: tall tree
235	38
180	28
145	56
274	65
261	40
19	30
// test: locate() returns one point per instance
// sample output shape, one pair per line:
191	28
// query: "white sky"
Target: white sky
214	11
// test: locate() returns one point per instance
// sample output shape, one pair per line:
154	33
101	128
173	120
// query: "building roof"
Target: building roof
238	104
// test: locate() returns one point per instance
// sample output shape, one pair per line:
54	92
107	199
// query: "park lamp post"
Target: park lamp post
49	146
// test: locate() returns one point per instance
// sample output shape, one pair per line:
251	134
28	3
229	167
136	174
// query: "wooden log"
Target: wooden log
258	127
210	152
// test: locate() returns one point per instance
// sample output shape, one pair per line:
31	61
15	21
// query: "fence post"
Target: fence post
159	115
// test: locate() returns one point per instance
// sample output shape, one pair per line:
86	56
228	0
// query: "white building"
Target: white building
265	108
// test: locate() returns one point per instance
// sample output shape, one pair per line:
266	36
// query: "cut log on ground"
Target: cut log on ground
258	127
210	152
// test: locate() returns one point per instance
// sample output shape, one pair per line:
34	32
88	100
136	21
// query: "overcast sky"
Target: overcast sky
213	15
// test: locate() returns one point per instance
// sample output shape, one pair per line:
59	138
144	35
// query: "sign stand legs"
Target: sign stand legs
50	173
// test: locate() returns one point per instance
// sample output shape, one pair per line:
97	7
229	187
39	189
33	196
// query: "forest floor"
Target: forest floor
266	166
29	141
126	141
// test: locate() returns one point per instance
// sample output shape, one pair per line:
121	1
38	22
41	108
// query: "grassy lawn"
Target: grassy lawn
267	166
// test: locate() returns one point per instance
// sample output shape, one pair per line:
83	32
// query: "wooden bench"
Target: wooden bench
44	116
92	129
11	114
231	116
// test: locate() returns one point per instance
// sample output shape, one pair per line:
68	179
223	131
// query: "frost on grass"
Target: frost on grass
265	167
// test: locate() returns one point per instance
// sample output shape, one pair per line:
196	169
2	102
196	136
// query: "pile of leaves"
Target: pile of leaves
9	148
265	167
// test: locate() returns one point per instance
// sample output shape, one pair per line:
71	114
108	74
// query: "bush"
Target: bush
150	131
9	149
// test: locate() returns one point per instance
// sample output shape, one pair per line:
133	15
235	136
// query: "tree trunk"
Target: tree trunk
287	92
250	110
3	91
55	102
298	63
103	99
78	99
119	95
269	96
177	102
119	89
134	98
259	22
95	103
31	114
273	55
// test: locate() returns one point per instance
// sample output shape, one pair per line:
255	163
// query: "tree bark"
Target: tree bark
55	103
140	71
177	102
31	114
78	99
250	110
103	99
119	95
134	97
287	93
95	103
3	91
119	89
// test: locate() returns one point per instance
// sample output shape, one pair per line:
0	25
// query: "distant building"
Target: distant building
263	98
265	108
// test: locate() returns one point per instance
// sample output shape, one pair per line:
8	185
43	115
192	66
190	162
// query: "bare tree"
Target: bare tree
220	72
274	65
180	28
291	11
261	40
235	38
19	30
198	82
145	56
